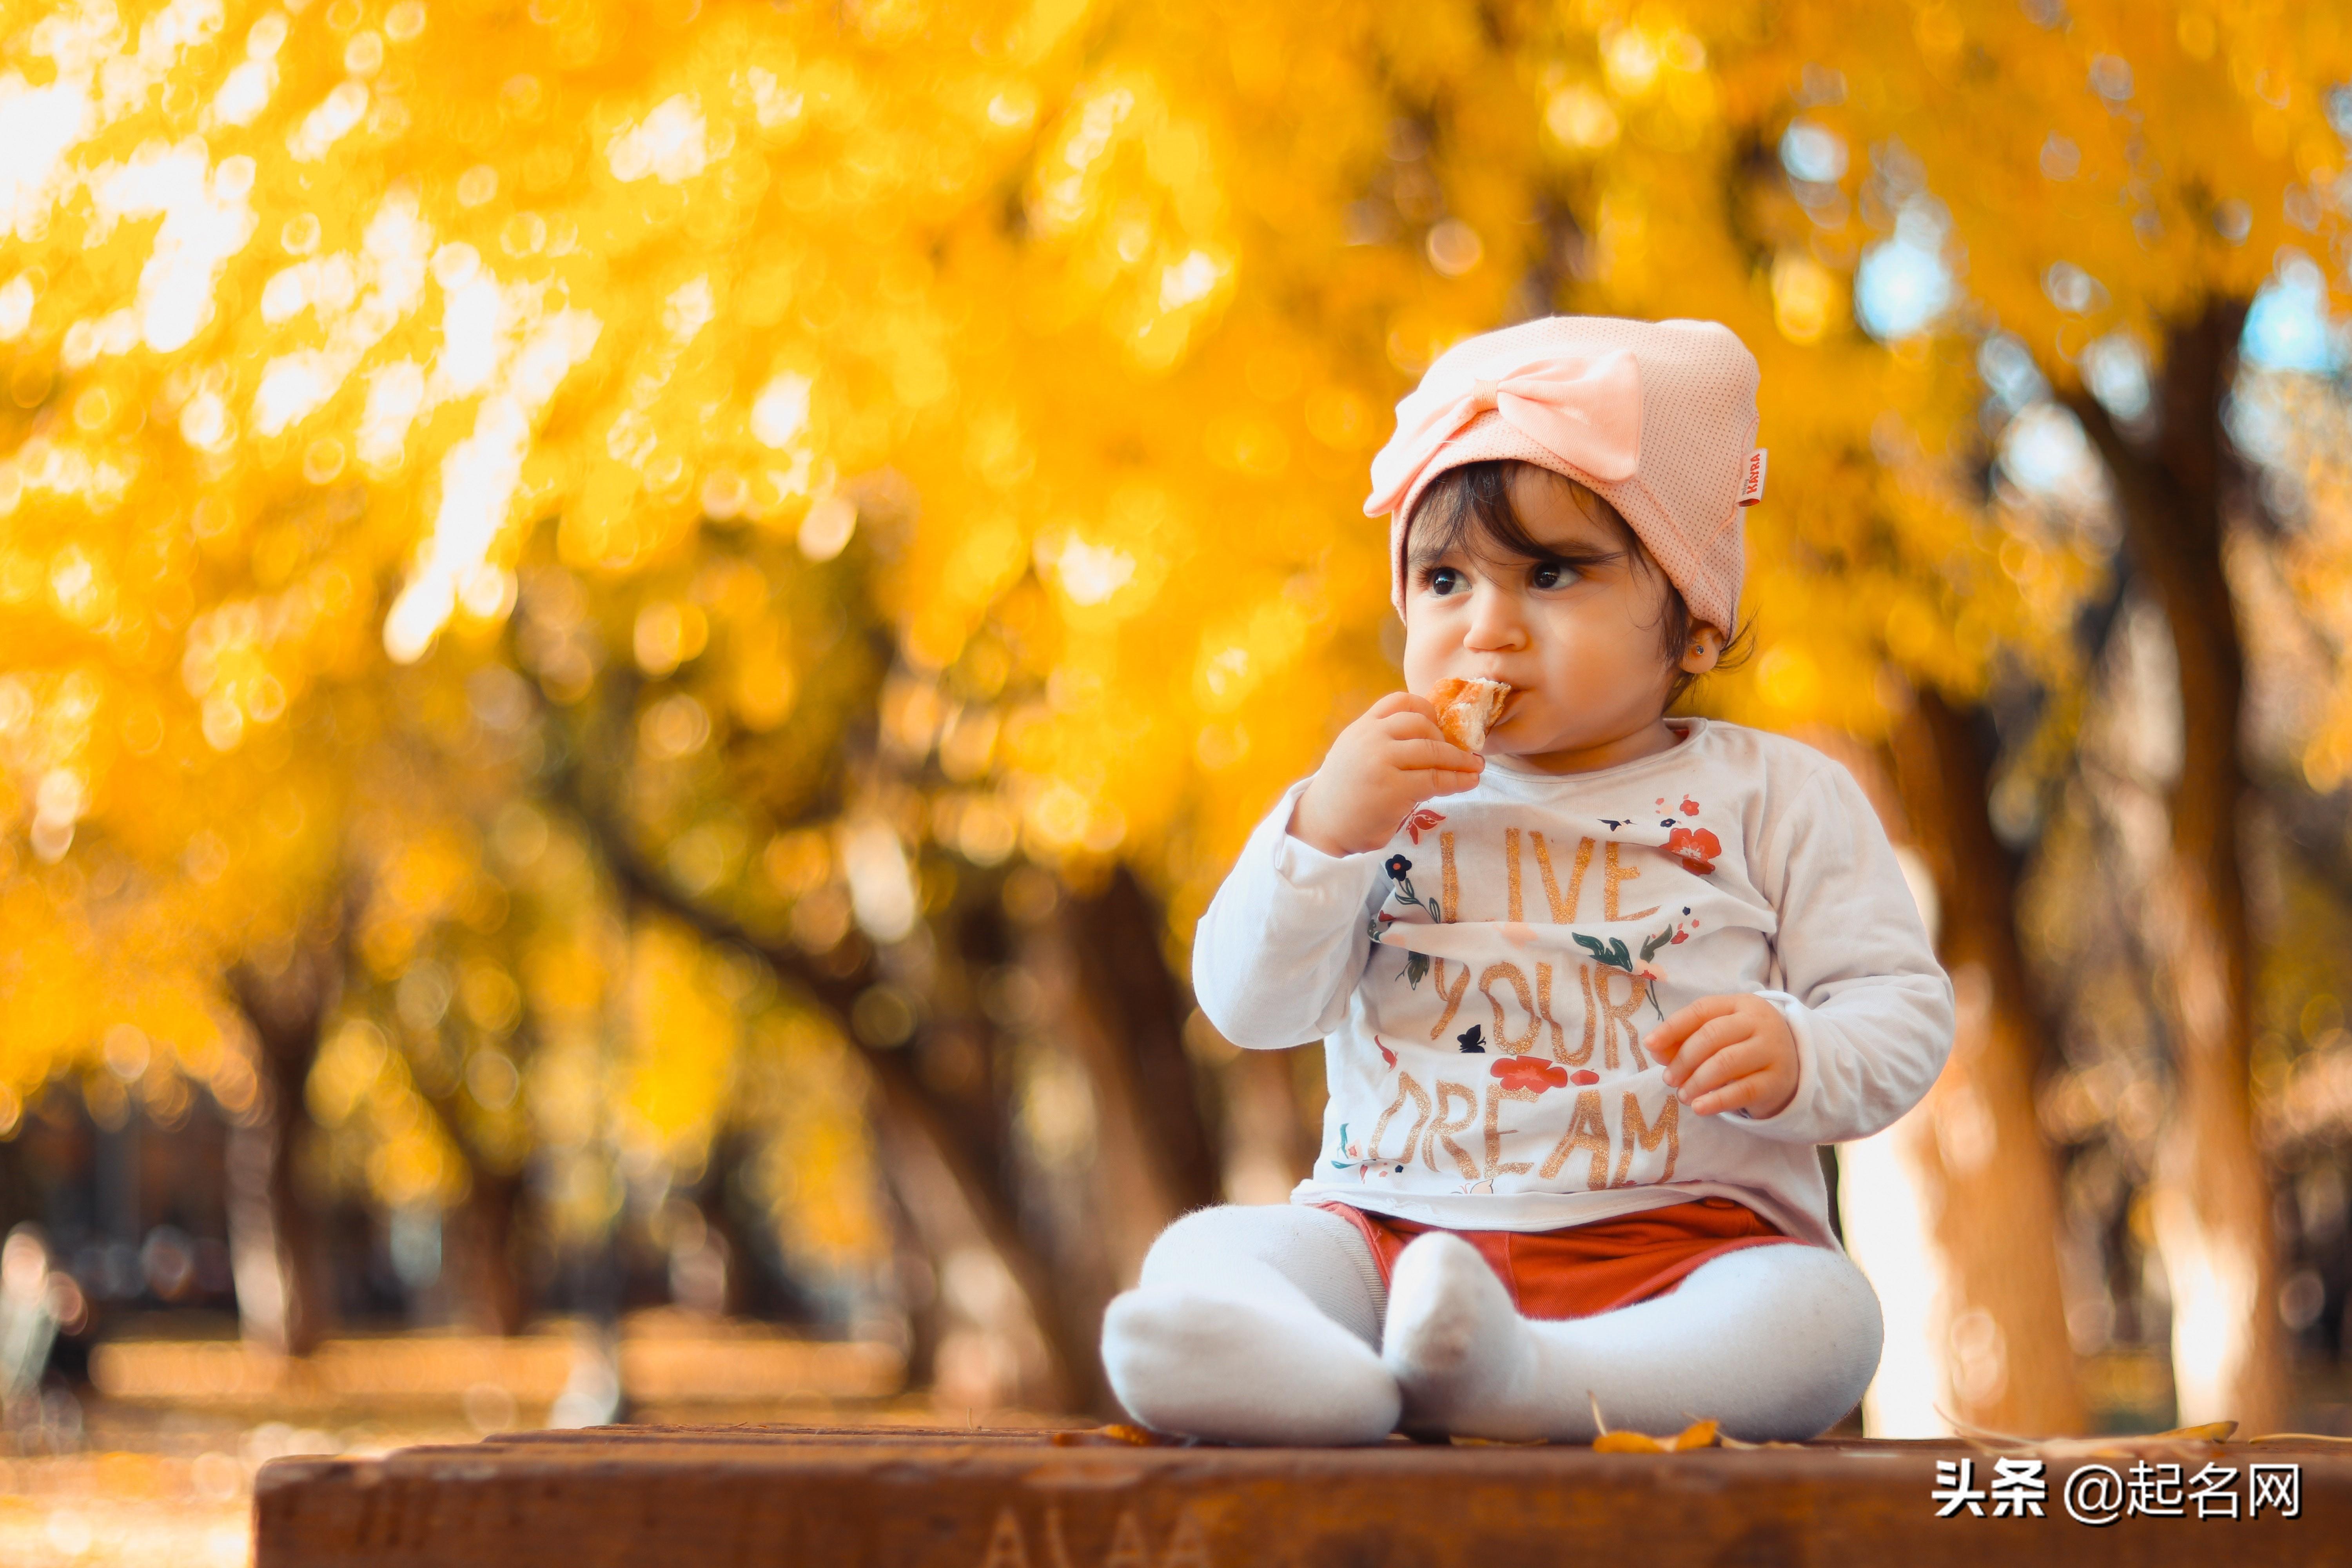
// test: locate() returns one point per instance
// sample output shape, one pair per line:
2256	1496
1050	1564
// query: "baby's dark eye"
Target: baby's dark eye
1552	574
1445	580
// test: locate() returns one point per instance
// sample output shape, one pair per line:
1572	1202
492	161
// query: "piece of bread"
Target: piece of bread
1464	708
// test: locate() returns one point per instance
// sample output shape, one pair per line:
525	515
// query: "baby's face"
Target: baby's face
1576	635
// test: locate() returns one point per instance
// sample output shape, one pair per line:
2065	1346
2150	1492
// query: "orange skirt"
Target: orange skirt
1588	1269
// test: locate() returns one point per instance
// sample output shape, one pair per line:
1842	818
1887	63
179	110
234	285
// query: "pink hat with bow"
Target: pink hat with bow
1658	418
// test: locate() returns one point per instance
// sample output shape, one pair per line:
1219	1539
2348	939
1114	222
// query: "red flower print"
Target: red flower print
1387	1054
1690	806
1584	1075
1529	1072
1696	850
1418	821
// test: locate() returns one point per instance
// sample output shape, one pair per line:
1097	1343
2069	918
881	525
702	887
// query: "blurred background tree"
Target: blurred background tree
633	634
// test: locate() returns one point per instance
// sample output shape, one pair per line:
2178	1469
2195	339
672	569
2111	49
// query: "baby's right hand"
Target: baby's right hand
1381	767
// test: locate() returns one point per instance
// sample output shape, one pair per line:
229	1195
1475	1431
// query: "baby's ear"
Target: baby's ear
1703	650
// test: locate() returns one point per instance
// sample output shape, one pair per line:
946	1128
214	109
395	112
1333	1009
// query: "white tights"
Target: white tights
1269	1325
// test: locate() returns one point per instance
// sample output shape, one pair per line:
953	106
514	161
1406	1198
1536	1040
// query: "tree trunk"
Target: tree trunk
983	1267
1953	1210
479	1234
2211	1194
953	1187
481	1243
1124	1015
1109	1002
2010	1364
277	1254
1268	1144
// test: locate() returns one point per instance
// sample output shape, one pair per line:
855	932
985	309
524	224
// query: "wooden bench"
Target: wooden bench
703	1496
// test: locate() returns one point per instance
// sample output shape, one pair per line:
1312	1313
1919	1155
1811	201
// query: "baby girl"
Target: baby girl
1588	1000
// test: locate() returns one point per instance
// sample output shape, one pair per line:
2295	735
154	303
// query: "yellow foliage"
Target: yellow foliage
816	1171
354	353
684	1040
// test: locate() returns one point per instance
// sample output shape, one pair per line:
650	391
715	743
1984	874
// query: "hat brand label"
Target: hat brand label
1752	490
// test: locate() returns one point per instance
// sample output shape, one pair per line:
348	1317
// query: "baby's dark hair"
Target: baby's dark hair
1474	502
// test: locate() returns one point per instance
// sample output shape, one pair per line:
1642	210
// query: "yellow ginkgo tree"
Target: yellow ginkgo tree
822	465
2114	185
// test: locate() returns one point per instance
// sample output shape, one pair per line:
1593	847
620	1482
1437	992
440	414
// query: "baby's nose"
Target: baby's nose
1497	625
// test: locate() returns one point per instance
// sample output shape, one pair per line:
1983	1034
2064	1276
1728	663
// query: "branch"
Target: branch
2125	464
642	883
905	1097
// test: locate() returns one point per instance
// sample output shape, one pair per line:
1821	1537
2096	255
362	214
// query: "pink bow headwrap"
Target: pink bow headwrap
1655	417
1586	413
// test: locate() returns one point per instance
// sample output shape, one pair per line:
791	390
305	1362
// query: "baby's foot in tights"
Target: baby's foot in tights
1238	1371
1461	1353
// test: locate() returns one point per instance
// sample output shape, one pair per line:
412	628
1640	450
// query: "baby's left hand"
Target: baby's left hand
1728	1053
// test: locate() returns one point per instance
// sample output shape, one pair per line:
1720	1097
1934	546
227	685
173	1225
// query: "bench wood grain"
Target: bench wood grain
736	1497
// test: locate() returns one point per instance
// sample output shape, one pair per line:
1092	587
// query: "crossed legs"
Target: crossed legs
1270	1325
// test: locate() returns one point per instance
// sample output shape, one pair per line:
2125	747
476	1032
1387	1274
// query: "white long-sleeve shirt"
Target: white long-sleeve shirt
1482	983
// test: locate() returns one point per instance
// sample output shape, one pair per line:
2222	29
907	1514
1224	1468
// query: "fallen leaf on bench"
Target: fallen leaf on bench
1118	1433
1729	1442
2210	1432
2141	1446
1697	1434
